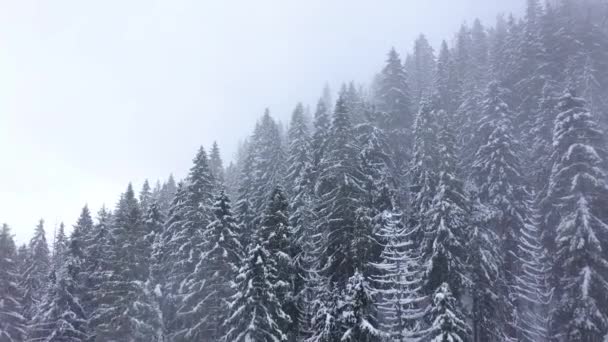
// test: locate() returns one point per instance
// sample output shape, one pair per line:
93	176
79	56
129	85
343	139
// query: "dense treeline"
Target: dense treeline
460	197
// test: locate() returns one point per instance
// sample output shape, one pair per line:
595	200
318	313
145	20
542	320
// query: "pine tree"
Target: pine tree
423	170
60	316
502	187
324	321
12	322
207	306
421	70
166	194
394	101
145	196
262	169
358	319
576	200
276	233
298	155
170	270
318	146
35	277
398	281
60	247
446	224
126	307
183	243
216	164
479	54
354	101
262	285
487	288
448	322
446	81
342	216
96	264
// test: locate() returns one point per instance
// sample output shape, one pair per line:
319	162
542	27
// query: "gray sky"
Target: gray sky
94	94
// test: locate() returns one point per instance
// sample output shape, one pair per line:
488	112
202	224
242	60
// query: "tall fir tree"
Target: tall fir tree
342	216
208	307
447	320
60	247
257	310
358	312
298	154
574	210
12	322
216	164
38	267
394	102
126	307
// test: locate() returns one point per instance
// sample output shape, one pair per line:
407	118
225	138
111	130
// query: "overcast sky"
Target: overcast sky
94	94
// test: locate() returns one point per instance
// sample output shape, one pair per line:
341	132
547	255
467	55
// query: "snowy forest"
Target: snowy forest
460	195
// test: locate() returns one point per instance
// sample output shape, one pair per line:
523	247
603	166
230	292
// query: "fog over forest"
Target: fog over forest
455	192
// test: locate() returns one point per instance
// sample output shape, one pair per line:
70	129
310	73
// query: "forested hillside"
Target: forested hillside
461	195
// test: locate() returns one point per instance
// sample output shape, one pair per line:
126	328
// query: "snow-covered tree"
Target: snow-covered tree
190	214
60	246
126	309
318	145
145	196
216	164
502	187
394	104
358	312
257	309
38	267
421	69
206	307
576	199
298	154
447	321
398	281
60	315
342	214
446	221
12	322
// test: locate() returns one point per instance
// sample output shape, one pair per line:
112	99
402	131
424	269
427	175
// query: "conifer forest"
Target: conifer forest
461	195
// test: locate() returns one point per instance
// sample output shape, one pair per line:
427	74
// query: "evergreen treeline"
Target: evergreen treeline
461	197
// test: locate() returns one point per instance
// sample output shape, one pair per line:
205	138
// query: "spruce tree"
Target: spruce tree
38	267
145	196
298	154
96	264
257	310
60	316
126	308
393	101
502	187
60	246
216	164
276	233
12	322
448	322
318	146
575	211
446	224
421	70
398	281
358	318
342	215
183	244
206	307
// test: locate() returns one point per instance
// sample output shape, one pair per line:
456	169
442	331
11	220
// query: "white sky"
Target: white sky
94	94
